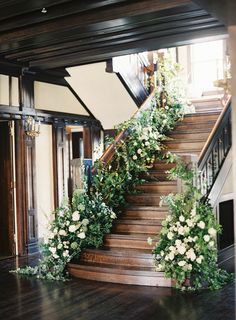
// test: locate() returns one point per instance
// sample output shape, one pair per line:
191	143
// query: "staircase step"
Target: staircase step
185	144
124	275
155	175
147	199
145	212
164	187
195	126
201	117
161	165
134	241
151	227
178	135
118	256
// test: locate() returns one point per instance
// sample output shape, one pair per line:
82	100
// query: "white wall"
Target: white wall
103	93
56	98
44	178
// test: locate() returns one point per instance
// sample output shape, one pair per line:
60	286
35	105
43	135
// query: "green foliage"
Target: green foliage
187	246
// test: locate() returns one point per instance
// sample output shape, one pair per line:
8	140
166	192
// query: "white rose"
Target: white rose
206	237
199	260
159	267
181	249
53	250
172	248
170	235
135	157
81	235
162	253
189	222
181	218
147	143
139	151
59	246
72	228
212	231
211	243
178	242
193	212
168	218
62	232
149	241
201	224
190	254
171	256
190	267
55	256
181	230
75	216
167	257
181	263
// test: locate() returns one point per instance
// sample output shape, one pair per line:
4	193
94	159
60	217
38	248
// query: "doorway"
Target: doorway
7	243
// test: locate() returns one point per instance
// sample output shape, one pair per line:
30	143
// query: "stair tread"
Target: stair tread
129	236
123	252
145	208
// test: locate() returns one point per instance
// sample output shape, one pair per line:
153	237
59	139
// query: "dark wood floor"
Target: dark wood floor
32	299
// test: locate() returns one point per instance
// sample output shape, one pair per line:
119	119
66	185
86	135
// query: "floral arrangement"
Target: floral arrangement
77	226
187	250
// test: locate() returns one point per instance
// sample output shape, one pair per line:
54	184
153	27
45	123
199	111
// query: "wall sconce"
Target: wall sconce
32	127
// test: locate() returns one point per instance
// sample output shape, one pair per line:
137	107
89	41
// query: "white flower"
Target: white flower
139	151
113	215
170	235
212	231
81	235
206	237
85	222
53	250
181	249
181	218
193	212
201	224
199	259
190	254
181	263
167	257
189	222
149	241
135	143
75	216
168	218
72	228
51	235
65	253
147	143
158	147
62	232
162	253
178	242
59	246
55	256
211	244
181	230
135	157
172	248
190	267
55	231
171	256
186	229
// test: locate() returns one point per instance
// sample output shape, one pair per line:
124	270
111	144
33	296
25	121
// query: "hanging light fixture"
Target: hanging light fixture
32	126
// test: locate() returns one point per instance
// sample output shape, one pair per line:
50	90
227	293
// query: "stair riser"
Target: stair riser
163	166
189	136
124	243
185	145
144	200
165	189
120	278
136	229
117	260
144	215
201	118
191	127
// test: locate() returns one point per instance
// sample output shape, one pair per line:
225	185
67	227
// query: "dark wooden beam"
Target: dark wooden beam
153	43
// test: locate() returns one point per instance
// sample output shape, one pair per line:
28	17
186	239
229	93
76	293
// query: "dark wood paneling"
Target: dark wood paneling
7	246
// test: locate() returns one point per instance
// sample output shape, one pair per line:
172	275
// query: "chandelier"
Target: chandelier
32	127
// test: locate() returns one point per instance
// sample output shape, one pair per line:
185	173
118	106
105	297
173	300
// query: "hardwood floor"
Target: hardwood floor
32	299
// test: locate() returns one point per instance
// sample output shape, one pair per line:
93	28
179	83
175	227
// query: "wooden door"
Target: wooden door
7	244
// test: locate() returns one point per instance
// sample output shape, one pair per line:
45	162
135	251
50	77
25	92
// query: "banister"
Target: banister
109	152
215	150
226	105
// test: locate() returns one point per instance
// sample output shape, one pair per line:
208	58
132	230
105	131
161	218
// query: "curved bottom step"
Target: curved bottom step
107	273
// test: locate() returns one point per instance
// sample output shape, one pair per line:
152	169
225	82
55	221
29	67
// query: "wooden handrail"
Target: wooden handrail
109	152
226	103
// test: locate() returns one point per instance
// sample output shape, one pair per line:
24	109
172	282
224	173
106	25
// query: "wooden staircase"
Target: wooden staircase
126	257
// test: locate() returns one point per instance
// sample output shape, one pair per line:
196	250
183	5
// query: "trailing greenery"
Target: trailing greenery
187	250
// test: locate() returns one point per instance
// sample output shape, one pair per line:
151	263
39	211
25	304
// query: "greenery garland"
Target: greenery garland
187	249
